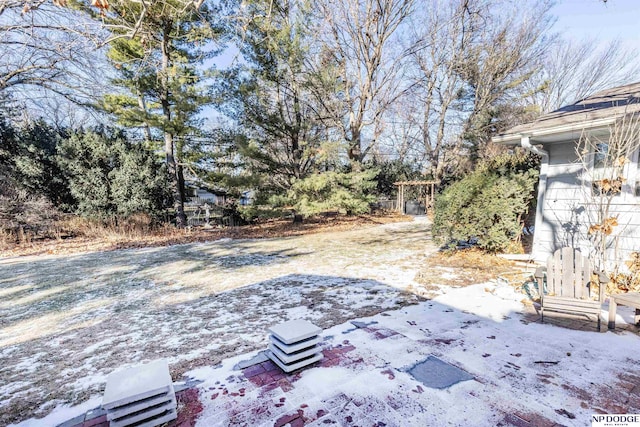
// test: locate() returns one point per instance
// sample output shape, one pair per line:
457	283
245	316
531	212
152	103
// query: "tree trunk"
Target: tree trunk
355	149
174	171
143	106
295	137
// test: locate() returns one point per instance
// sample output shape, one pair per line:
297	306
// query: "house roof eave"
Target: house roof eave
556	133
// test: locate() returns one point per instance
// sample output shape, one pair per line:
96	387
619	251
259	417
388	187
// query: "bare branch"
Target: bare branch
605	163
359	35
571	71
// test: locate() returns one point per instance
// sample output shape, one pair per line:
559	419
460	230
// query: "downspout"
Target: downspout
526	144
538	253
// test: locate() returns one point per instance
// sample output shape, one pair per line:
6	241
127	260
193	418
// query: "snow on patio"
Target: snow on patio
365	379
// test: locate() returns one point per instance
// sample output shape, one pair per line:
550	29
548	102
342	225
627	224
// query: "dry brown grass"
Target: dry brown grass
81	235
463	268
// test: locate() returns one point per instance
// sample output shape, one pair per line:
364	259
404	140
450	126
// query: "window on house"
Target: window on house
607	172
600	153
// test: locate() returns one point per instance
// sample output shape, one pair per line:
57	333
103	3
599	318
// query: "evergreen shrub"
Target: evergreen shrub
489	204
110	176
348	192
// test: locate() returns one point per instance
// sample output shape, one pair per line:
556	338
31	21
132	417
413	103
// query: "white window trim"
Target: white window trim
634	174
629	172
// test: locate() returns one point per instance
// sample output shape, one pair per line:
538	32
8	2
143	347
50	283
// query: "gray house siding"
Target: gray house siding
558	223
565	201
564	206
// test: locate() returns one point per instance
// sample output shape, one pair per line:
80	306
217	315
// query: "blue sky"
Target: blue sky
581	19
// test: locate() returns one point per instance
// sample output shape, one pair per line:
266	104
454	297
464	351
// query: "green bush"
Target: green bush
139	184
252	213
111	177
346	192
28	181
36	169
488	204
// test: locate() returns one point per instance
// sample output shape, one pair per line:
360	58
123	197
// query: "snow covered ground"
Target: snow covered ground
524	373
69	321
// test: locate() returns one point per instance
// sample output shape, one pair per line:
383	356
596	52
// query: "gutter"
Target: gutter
542	186
575	127
526	144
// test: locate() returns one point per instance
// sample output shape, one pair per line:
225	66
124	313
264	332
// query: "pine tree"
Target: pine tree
156	47
347	192
281	136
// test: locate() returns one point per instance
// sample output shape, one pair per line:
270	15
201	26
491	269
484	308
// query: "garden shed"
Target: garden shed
589	187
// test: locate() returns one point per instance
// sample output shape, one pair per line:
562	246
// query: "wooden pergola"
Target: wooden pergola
430	187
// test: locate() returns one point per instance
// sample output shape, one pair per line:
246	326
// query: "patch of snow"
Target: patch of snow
30	364
486	300
60	414
9	391
325	381
92	348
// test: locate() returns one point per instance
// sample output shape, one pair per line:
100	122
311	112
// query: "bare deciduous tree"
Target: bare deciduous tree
571	71
48	51
470	61
359	39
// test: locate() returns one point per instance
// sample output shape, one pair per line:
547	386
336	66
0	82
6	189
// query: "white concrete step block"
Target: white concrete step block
141	405
292	348
140	396
297	365
294	330
137	383
143	415
153	421
293	357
